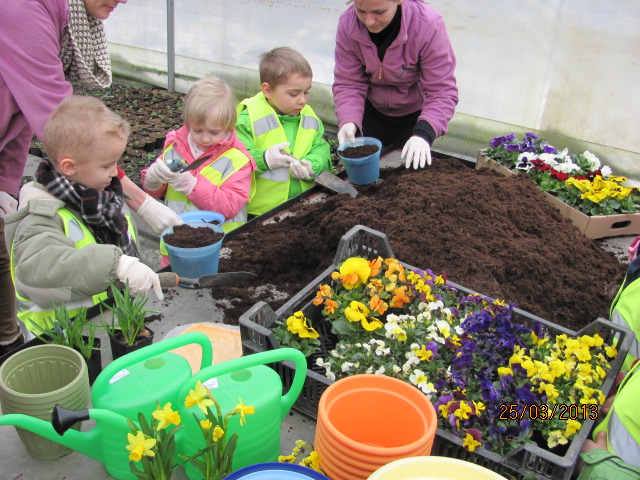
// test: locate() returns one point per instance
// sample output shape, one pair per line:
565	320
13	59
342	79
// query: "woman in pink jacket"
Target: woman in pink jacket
394	76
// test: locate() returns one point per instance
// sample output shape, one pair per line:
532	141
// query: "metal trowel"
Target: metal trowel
329	180
171	279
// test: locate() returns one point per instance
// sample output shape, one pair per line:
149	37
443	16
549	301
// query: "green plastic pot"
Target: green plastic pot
36	379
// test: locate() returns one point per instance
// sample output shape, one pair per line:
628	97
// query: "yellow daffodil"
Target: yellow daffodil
205	425
140	446
166	416
199	396
470	443
217	434
297	324
243	410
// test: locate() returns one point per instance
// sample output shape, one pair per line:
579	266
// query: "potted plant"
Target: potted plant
77	333
129	332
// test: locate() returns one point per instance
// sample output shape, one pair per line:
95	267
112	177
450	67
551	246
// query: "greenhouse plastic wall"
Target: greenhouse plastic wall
566	69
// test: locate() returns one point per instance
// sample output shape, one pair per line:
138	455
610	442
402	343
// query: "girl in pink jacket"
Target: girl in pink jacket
394	75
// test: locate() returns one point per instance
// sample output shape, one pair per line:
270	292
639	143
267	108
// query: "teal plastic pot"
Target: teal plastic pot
275	471
362	171
36	379
194	262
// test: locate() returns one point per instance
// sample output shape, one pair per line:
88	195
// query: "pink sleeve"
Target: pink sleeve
633	248
229	198
154	193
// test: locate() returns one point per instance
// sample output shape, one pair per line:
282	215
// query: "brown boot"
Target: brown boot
18	342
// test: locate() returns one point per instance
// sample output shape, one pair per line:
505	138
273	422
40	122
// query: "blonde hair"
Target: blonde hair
278	64
76	124
208	96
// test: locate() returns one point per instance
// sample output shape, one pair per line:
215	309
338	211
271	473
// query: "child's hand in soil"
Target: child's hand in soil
140	277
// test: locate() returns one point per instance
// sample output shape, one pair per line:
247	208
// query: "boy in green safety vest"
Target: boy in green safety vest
282	132
70	238
614	452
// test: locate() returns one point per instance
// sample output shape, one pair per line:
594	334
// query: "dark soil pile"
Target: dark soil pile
361	151
497	236
186	236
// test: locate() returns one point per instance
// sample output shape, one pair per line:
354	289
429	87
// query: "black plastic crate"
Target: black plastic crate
257	336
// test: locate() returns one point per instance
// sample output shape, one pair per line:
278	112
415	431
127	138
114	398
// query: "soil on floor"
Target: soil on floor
495	235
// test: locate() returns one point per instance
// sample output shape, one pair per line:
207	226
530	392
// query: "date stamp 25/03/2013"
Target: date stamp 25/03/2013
560	411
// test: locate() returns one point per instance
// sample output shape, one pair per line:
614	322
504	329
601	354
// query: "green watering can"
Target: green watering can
130	384
259	386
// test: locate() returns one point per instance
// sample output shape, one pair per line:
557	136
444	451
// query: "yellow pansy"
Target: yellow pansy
556	438
297	324
504	371
572	427
470	443
354	272
356	312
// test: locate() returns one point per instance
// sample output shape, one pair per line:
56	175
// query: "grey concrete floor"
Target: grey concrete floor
184	307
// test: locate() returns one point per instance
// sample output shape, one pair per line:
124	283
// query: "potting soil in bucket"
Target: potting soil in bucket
365	169
367	421
199	258
275	471
34	380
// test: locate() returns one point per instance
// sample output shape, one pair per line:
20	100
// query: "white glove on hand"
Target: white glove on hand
8	204
158	216
307	164
274	158
141	278
298	170
417	150
184	182
158	174
347	133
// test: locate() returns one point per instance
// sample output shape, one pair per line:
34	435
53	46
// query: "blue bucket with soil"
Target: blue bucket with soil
364	170
198	261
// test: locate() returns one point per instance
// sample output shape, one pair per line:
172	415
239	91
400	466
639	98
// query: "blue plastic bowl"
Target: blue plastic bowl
201	216
275	471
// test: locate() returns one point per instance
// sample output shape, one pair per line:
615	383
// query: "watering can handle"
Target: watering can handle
156	349
261	358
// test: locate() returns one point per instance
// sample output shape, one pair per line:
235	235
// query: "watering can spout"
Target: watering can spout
63	419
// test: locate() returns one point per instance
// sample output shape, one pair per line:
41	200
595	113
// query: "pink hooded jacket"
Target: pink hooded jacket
227	199
32	80
417	71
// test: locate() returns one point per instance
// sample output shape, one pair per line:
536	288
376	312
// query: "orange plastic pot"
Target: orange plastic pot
366	421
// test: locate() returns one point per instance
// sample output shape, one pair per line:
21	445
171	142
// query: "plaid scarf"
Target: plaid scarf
83	52
101	210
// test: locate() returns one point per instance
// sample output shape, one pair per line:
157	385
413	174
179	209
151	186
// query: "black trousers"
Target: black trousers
389	130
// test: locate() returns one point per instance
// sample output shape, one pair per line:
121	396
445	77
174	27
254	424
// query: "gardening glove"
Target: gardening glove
307	164
417	150
158	216
347	133
8	204
140	277
158	174
184	183
274	158
298	170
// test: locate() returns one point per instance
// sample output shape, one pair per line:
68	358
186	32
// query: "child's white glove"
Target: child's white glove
307	164
184	182
299	170
347	133
141	278
158	174
417	151
8	204
274	158
158	216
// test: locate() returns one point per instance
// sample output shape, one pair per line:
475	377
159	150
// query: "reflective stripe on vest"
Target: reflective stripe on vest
272	186
625	311
217	173
622	423
28	311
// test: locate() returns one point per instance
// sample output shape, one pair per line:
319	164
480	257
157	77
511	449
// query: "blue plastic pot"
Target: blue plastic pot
194	262
275	471
362	171
201	216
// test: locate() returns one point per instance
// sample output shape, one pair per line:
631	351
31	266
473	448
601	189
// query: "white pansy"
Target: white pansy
594	162
380	371
369	370
346	366
330	375
606	171
444	327
438	305
367	347
382	351
566	167
396	369
459	330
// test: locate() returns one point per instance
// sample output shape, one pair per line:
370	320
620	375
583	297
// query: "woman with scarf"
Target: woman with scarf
45	45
